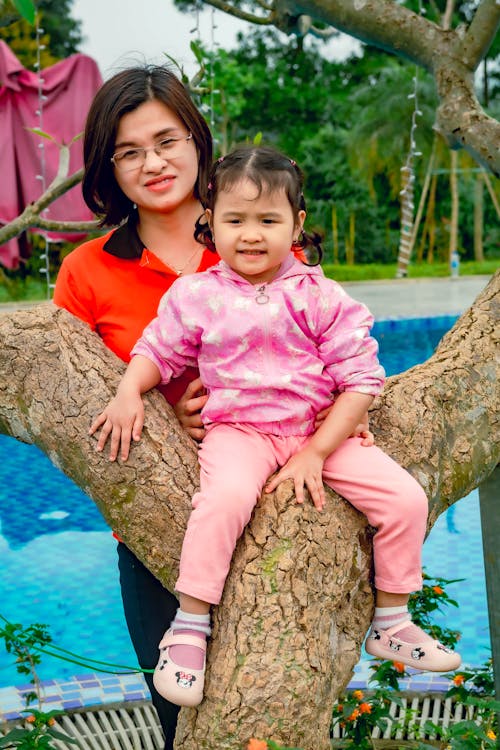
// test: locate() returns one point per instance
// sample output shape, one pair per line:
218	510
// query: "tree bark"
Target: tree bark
298	599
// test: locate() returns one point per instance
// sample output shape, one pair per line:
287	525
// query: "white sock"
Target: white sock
386	617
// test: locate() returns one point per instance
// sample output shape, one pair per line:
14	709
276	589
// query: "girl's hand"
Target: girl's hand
122	420
305	468
362	430
188	408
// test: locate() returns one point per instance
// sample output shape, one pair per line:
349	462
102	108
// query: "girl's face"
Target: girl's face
158	184
254	233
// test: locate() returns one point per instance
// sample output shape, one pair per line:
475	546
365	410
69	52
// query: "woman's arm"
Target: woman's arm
188	409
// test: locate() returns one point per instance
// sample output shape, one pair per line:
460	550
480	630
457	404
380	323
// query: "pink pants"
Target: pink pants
236	461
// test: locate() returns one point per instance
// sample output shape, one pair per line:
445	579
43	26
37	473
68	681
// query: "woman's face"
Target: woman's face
157	183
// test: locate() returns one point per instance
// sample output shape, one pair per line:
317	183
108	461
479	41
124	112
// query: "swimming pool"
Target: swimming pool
58	558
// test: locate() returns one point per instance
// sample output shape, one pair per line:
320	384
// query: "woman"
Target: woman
147	152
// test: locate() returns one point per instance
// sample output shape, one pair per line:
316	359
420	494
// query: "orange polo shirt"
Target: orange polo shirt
115	284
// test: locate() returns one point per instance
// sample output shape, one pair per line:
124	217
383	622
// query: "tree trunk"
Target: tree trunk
298	599
478	218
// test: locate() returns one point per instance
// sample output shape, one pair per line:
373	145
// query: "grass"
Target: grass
374	271
14	289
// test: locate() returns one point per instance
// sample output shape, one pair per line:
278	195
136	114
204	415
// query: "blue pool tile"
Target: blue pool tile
133	696
72	704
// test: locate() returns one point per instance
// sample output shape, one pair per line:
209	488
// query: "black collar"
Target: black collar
125	242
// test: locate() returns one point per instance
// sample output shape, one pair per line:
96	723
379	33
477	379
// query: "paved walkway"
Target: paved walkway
415	298
395	298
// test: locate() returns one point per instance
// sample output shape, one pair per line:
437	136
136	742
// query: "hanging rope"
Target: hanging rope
42	176
408	184
208	109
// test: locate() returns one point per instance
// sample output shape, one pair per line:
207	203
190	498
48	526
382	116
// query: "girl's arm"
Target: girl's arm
362	430
123	417
306	467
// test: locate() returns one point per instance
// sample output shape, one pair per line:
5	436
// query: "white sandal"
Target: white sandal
428	655
178	684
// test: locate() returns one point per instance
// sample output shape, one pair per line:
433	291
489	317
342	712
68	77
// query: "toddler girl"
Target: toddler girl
273	340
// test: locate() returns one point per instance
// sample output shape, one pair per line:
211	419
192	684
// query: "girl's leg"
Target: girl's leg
393	502
234	464
396	505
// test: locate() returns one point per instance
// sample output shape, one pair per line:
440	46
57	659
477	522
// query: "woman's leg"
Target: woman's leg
148	608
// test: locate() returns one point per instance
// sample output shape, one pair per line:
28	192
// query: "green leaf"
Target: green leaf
13	736
198	52
61	736
26	8
41	133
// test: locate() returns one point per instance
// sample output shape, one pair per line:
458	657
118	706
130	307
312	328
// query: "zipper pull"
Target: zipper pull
261	297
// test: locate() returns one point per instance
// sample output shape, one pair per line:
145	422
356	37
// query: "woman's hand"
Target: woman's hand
122	421
361	430
305	468
188	408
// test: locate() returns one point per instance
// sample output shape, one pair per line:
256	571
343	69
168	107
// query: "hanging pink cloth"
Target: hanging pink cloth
67	87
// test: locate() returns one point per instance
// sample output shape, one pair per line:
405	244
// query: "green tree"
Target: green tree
61	34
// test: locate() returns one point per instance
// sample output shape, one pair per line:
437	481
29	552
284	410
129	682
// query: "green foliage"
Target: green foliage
38	734
429	600
24	644
61	34
26	9
359	714
347	124
474	689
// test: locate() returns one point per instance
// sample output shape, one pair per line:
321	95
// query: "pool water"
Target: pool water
58	558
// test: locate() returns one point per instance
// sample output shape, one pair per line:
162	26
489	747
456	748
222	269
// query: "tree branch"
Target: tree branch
238	13
304	575
30	217
481	33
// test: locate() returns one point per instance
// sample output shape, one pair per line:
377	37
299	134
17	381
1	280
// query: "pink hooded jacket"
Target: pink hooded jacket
269	355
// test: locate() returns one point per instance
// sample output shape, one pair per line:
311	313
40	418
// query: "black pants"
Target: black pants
149	610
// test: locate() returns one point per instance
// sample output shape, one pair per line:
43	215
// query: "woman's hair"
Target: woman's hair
270	171
123	93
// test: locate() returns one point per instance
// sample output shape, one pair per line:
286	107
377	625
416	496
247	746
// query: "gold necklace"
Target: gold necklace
180	271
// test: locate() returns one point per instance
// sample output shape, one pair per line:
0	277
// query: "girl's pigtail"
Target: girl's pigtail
203	233
311	244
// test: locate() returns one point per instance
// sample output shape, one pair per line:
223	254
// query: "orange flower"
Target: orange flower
51	722
30	719
491	734
358	694
365	708
340	707
438	590
354	715
398	666
254	744
458	680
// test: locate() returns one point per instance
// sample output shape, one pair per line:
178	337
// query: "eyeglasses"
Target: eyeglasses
134	158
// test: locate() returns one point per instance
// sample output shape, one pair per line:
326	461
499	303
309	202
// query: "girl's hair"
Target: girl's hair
270	171
123	93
